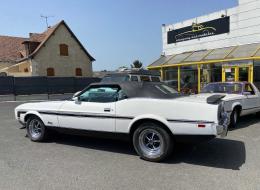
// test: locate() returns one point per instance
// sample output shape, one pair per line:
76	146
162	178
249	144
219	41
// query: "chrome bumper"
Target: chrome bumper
222	128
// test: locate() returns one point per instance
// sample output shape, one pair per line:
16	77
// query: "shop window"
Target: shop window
171	77
78	72
210	73
50	72
189	79
257	74
64	50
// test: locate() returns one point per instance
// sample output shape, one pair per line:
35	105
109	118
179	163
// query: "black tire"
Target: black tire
234	117
158	147
36	130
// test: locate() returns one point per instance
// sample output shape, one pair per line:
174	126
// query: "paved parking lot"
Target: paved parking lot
69	162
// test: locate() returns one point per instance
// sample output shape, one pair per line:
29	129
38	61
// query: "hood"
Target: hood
52	105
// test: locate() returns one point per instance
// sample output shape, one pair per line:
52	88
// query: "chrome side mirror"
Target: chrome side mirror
76	94
77	100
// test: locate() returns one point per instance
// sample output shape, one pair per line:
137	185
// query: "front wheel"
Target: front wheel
152	142
234	118
36	129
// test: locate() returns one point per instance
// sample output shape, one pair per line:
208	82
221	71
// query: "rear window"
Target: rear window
145	78
134	78
115	78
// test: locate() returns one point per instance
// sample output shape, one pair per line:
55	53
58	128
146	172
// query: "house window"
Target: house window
78	72
64	50
50	72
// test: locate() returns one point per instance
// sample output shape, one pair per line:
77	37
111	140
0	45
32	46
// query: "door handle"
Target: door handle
107	109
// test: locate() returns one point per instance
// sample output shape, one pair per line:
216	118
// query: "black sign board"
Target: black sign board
199	30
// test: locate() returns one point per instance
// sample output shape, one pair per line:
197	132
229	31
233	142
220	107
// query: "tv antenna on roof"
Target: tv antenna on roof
46	20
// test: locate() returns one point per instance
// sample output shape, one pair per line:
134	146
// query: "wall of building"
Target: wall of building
244	29
18	70
49	56
5	64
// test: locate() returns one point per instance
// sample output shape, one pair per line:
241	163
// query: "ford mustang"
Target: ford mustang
152	115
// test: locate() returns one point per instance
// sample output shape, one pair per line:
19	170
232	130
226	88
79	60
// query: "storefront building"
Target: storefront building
222	46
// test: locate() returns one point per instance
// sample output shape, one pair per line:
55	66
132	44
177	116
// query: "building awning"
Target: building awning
227	54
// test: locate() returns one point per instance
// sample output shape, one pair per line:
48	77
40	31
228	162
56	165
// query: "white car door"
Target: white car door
93	109
251	100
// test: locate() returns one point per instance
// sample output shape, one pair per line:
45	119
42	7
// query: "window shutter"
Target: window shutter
78	72
50	72
64	50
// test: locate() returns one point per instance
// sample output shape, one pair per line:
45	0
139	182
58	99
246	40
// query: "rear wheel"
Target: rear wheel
36	129
152	142
234	118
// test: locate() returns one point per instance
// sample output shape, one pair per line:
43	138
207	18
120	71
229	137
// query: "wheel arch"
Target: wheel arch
30	114
135	124
238	106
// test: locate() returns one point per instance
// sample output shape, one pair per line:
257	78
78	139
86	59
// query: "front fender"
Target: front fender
23	116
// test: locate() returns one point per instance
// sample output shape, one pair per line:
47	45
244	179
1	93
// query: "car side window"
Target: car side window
145	78
100	94
249	88
134	78
155	79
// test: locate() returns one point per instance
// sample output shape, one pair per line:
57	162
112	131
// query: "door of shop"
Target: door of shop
237	73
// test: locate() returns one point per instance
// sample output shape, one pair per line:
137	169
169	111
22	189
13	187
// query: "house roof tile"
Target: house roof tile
11	48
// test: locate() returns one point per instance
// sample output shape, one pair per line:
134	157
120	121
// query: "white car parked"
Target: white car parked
153	115
241	98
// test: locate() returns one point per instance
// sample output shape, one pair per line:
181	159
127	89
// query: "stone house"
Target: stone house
55	52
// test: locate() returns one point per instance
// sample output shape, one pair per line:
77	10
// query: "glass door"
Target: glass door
229	74
242	73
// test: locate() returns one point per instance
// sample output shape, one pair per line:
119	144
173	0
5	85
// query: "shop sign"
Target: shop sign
228	70
199	30
238	64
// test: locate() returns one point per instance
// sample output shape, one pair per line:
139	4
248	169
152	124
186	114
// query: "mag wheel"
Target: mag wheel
152	142
234	118
36	130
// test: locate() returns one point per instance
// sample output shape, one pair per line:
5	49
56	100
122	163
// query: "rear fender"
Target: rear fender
148	116
236	104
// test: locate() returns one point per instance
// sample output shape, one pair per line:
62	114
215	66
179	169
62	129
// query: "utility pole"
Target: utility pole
46	19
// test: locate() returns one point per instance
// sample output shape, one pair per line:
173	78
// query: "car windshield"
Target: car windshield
228	88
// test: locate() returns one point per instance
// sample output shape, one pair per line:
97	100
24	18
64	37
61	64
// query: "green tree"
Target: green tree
137	64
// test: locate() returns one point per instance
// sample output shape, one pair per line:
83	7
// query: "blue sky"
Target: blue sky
115	32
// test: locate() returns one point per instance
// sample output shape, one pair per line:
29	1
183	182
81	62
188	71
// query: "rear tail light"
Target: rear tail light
201	125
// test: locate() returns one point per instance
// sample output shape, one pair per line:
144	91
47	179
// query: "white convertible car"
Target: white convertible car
241	98
153	115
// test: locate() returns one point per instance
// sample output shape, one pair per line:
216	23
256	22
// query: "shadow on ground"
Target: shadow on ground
218	153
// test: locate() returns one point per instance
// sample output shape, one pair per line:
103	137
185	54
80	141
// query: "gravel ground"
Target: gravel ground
70	162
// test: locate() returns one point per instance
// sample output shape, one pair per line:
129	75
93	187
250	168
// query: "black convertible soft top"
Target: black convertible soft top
143	89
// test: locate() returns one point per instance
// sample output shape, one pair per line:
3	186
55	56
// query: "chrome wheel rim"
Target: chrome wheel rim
151	142
35	128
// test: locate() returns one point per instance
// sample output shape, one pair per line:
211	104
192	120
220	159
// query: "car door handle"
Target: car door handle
107	109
